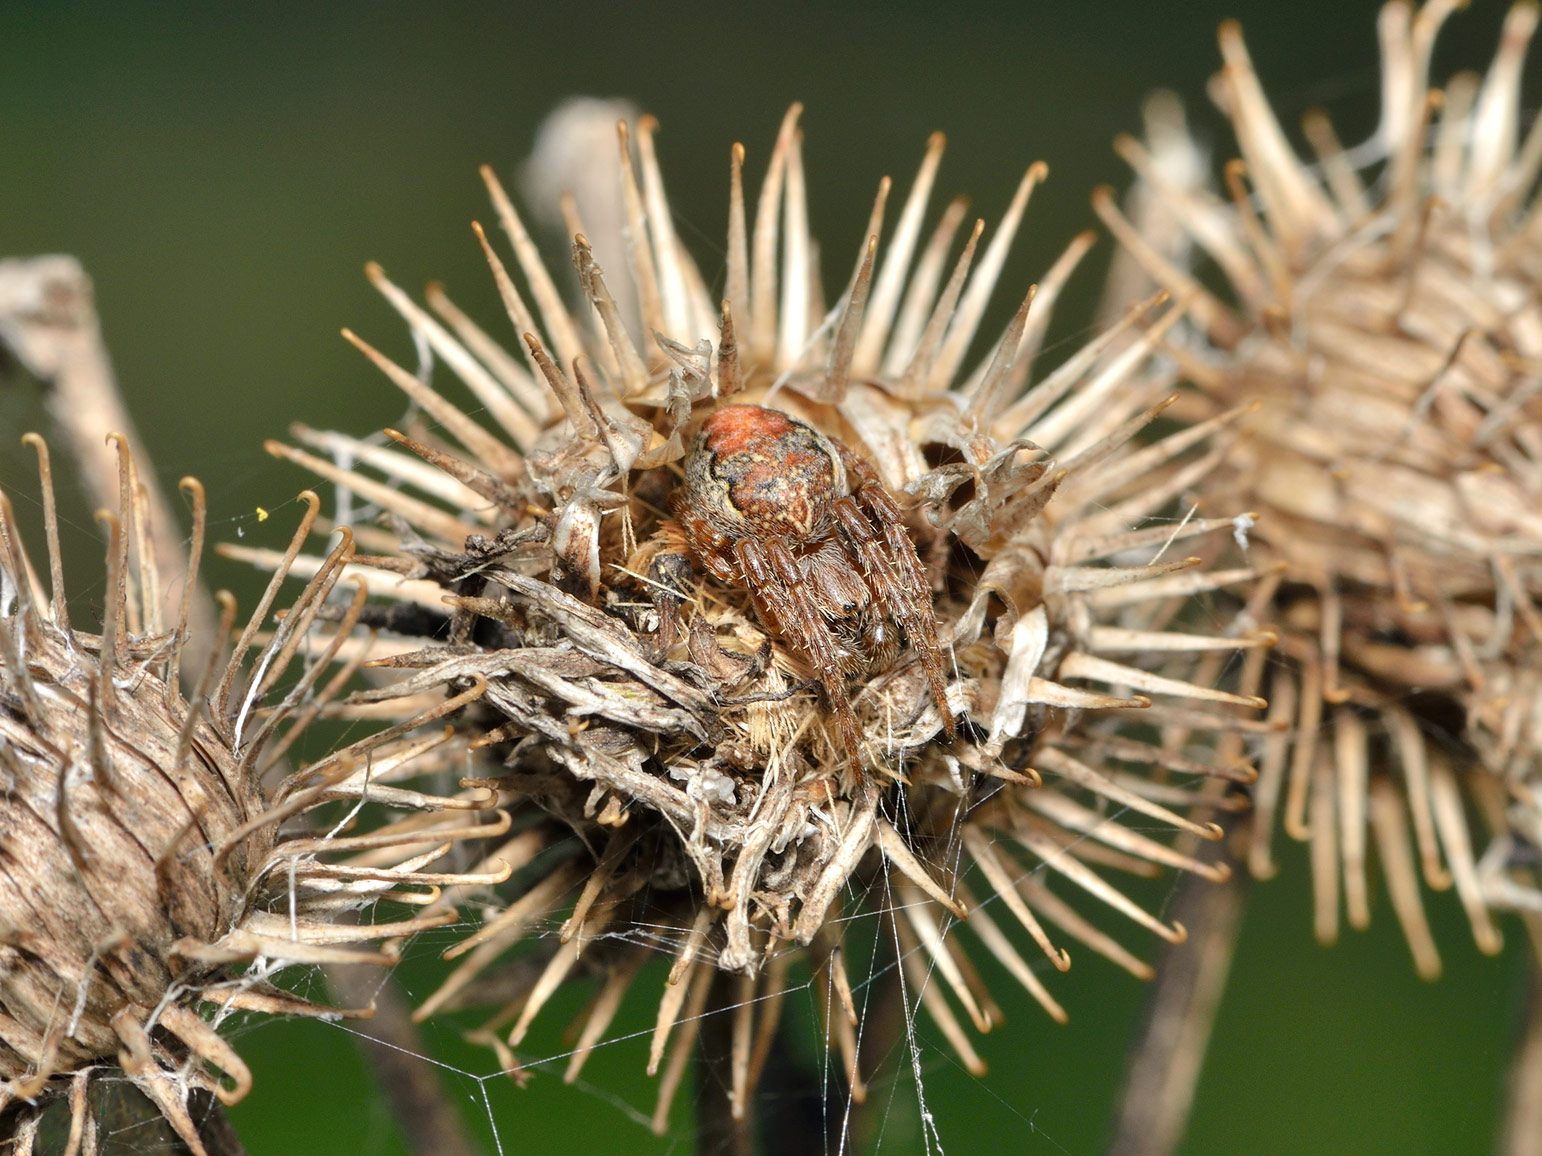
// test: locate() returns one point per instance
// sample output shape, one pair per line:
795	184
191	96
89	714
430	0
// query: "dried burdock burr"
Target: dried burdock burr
150	874
1388	333
778	605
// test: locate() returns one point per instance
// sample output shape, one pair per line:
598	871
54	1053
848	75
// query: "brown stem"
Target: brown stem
48	321
121	1110
214	1127
428	1122
1522	1134
792	1098
1167	1055
717	1132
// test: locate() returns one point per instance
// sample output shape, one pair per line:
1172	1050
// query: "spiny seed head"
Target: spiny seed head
1386	337
897	586
143	862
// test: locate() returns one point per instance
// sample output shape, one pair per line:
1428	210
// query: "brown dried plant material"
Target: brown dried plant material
683	748
142	862
48	322
1387	337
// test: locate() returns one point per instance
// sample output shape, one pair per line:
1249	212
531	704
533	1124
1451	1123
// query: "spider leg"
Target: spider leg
713	550
787	605
670	580
895	574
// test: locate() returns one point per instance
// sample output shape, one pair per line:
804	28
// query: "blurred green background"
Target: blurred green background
223	172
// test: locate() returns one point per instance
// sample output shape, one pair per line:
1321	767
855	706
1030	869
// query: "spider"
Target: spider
806	527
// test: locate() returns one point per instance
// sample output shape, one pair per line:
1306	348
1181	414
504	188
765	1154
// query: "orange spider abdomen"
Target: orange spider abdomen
766	469
805	527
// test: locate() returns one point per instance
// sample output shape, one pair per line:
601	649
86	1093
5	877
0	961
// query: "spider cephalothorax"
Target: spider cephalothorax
806	527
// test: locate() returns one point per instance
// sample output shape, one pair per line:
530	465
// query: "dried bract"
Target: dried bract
901	587
144	860
1388	337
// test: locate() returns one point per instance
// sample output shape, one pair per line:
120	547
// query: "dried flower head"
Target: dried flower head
1388	337
146	862
894	589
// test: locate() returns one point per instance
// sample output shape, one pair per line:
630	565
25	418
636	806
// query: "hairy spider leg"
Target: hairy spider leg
670	579
719	550
788	606
906	594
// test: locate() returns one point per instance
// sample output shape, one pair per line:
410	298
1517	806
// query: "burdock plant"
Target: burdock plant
781	604
1382	325
157	864
1388	335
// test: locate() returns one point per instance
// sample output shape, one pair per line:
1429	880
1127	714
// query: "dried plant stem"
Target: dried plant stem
1166	1057
215	1130
118	1109
718	1133
1522	1134
793	1099
425	1117
1523	1114
48	321
856	1125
